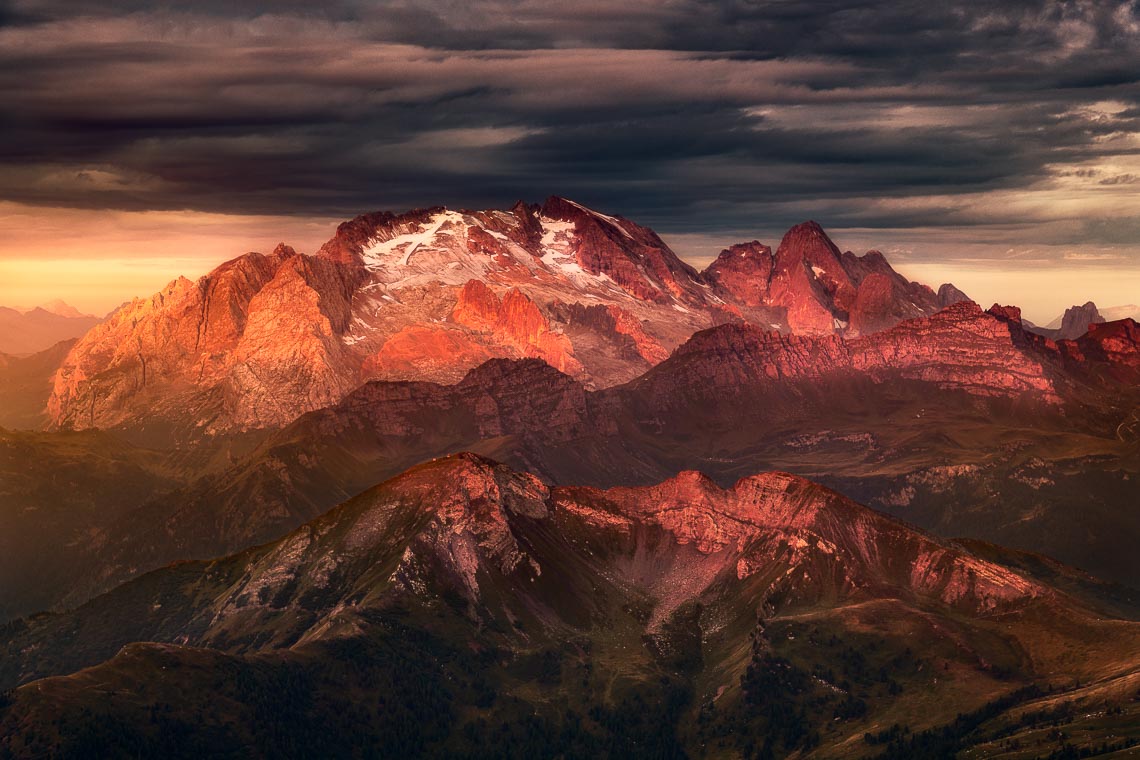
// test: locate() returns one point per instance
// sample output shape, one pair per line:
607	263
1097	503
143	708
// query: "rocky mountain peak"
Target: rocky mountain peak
948	294
742	272
62	308
806	242
42	327
1077	319
632	256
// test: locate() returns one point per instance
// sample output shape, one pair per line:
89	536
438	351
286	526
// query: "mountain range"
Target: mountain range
917	420
38	329
429	295
524	483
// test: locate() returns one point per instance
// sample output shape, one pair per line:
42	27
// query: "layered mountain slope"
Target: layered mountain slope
25	385
567	602
961	347
23	333
430	294
961	422
257	338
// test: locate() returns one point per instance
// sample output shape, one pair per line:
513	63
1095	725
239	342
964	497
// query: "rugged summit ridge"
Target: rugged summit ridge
477	589
814	289
430	294
254	340
960	347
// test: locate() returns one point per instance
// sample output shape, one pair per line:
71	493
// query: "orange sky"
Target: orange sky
95	260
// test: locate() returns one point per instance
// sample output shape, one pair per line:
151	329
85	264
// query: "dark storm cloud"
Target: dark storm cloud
687	115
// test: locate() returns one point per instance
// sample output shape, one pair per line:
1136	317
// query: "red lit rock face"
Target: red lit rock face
472	512
741	273
816	290
810	282
425	351
428	294
631	255
777	518
477	306
256	338
628	325
514	322
1115	344
883	300
960	347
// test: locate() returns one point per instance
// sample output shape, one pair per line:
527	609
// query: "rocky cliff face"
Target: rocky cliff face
1114	346
742	273
430	294
247	345
948	295
961	347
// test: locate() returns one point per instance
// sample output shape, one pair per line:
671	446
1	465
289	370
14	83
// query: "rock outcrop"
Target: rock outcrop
246	346
1073	324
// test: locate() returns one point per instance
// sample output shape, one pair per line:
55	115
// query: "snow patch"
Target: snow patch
555	232
379	253
558	255
817	271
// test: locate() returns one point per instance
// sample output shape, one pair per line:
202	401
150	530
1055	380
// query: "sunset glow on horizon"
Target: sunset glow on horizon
96	260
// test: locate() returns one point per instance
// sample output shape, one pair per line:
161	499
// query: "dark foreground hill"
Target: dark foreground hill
463	608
